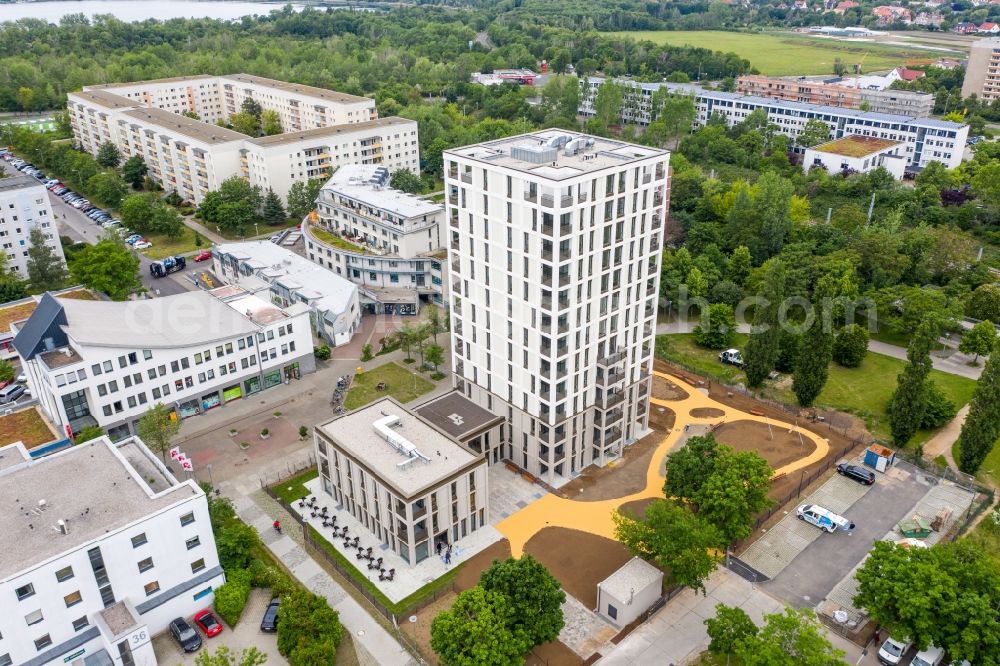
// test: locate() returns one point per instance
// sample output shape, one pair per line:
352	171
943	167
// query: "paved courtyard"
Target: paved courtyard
245	634
510	492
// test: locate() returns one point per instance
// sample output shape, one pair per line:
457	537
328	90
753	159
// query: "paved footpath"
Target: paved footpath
374	645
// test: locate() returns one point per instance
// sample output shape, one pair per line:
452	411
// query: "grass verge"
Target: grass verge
400	383
165	246
862	391
293	489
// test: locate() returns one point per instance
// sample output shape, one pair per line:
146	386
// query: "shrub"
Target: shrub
264	432
322	352
235	542
303	432
366	352
270	577
231	596
850	346
308	629
940	410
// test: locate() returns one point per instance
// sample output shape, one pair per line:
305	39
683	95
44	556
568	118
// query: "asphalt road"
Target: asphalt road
824	563
79	227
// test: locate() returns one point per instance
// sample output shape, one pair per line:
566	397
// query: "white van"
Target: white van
892	650
826	520
932	656
11	393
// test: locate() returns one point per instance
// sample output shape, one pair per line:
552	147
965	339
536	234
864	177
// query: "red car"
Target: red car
206	622
204	255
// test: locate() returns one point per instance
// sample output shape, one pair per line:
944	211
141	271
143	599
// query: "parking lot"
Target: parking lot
246	634
812	569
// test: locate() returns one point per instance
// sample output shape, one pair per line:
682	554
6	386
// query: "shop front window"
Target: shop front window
251	385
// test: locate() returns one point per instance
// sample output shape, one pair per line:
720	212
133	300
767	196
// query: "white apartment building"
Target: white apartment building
982	74
104	547
387	242
281	276
107	363
24	205
555	249
925	139
408	482
856	154
323	129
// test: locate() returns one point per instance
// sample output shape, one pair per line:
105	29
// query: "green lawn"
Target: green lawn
247	232
164	246
862	391
401	384
783	54
294	488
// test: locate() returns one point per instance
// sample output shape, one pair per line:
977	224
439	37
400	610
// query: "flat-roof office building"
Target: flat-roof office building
409	482
104	547
554	249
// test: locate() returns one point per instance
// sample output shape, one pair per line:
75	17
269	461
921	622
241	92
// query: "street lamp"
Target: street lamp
211	480
256	231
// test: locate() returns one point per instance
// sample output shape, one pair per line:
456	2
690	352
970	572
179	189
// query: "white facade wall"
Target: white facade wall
119	406
451	509
835	164
926	139
24	205
542	289
193	166
175	565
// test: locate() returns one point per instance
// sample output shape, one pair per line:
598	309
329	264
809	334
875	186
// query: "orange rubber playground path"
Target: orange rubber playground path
595	517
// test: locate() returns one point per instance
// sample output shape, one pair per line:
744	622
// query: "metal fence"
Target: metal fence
291	468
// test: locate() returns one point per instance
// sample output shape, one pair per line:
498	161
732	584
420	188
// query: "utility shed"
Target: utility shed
627	593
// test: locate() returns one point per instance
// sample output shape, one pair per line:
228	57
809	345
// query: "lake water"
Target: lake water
137	10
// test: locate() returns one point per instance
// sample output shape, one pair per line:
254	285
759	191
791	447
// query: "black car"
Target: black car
859	474
269	622
185	635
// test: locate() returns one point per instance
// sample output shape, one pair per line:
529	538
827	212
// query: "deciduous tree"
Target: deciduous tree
762	347
909	401
405	180
46	269
434	354
814	133
850	346
271	123
244	123
223	656
674	537
534	595
718	327
134	171
792	638
734	492
475	630
979	340
108	155
984	303
690	466
107	266
982	427
302	197
728	629
157	427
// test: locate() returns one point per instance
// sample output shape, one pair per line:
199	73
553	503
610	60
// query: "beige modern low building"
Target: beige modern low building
409	482
323	130
982	74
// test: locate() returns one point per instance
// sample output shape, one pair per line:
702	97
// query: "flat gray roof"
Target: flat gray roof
602	154
355	434
189	127
354	182
320	132
171	79
190	318
18	182
636	574
106	99
456	415
301	89
88	486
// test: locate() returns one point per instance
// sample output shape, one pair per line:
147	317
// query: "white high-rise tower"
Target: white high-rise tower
555	241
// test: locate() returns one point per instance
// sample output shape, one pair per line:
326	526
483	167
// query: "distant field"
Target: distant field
785	54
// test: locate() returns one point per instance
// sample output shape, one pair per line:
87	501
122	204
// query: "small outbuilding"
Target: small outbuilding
879	457
627	593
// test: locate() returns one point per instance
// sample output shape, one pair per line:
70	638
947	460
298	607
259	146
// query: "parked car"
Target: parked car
204	255
269	622
207	622
932	656
187	638
856	472
142	245
732	357
826	520
892	650
132	238
11	393
22	379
